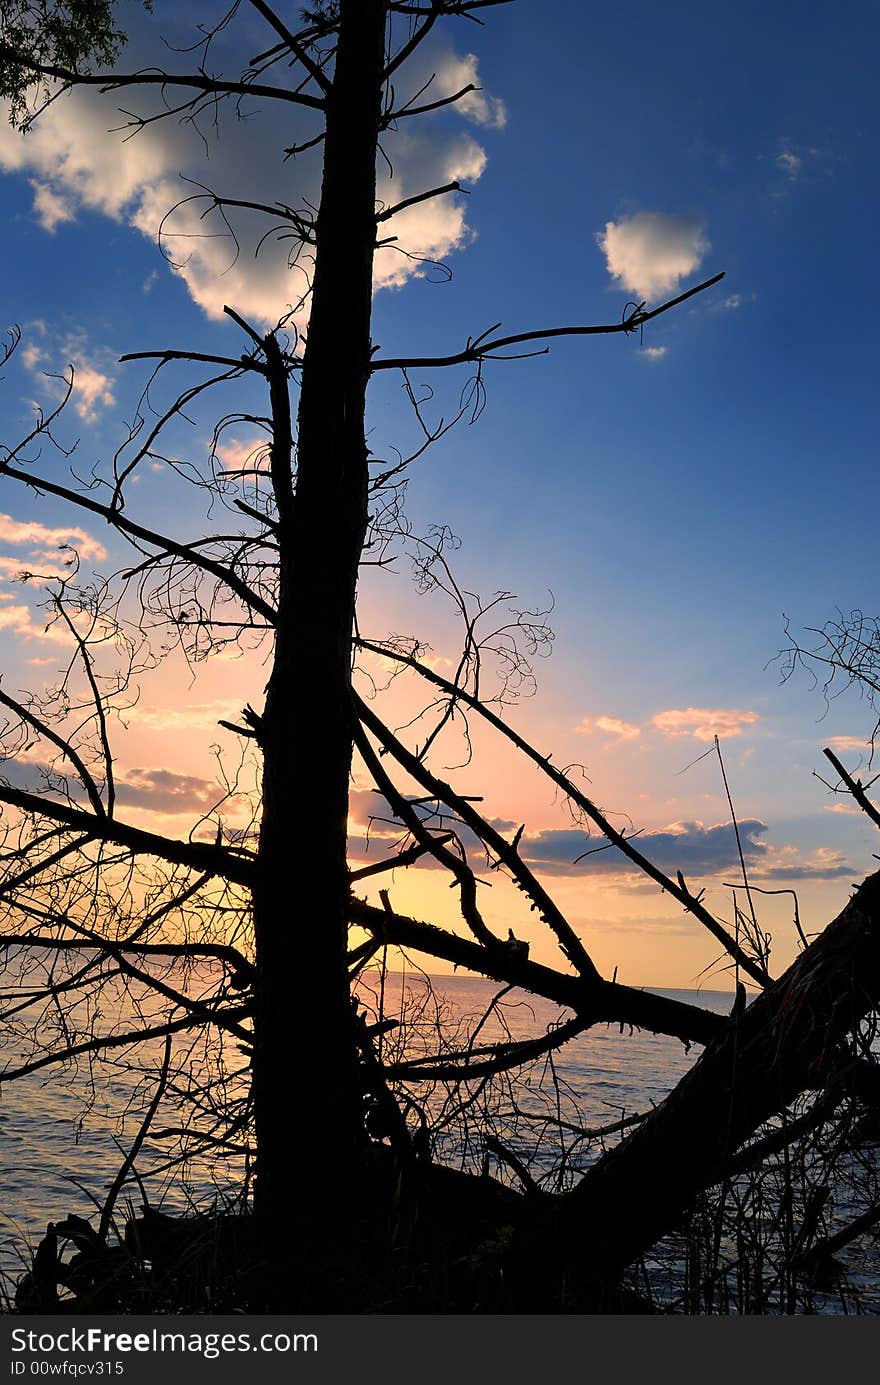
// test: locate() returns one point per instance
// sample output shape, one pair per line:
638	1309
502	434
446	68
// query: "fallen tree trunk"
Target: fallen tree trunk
788	1041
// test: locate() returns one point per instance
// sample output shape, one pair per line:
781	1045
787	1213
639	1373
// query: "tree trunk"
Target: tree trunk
789	1040
307	1100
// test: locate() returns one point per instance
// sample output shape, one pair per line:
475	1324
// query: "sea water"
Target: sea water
63	1138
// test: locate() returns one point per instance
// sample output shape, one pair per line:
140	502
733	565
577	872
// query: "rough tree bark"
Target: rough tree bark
310	1143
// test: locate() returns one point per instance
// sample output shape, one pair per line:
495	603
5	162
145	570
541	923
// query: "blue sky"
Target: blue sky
676	495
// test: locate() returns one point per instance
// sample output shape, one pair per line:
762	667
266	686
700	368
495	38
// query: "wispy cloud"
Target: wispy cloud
609	726
651	252
163	791
653	353
189	714
790	163
53	352
703	723
31	534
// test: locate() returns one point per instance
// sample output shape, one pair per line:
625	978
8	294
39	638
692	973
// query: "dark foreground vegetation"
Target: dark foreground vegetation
343	1205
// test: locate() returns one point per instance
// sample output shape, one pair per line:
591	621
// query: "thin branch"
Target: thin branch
402	858
197	81
121	1040
240	363
437	105
597	1002
117	1185
291	41
406	812
222	952
100	714
419	197
460	1067
67	750
212	859
855	788
478	350
624	844
137	531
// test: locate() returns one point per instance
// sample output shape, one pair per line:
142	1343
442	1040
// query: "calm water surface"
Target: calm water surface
61	1143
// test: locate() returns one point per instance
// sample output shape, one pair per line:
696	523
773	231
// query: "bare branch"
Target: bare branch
482	349
855	788
214	860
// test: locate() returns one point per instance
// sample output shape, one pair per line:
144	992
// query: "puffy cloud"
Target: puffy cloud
75	163
429	230
703	723
654	353
451	74
610	726
691	847
651	252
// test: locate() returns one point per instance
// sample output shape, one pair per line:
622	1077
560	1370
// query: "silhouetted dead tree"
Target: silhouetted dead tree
243	942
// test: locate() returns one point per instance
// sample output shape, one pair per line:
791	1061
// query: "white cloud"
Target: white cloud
75	163
654	353
51	207
651	252
703	723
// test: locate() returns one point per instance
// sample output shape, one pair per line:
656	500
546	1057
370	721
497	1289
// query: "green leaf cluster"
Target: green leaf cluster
37	36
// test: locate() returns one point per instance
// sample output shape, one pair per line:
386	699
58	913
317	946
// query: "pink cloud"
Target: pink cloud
703	723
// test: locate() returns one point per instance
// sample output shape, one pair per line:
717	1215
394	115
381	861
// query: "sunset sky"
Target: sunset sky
678	496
